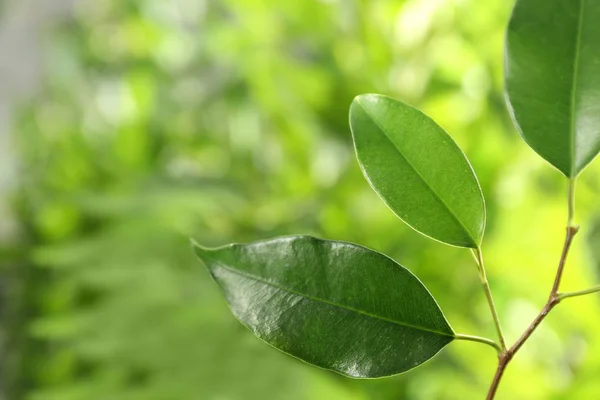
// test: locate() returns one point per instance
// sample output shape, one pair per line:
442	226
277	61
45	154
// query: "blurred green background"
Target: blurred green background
226	120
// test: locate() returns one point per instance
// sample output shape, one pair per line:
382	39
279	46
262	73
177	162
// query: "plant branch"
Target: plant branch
479	339
553	299
566	295
488	294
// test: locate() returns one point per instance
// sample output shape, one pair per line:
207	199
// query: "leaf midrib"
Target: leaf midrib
574	85
446	206
317	299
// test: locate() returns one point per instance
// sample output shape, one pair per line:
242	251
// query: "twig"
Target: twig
553	299
591	290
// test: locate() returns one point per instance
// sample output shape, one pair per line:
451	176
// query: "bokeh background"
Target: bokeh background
127	126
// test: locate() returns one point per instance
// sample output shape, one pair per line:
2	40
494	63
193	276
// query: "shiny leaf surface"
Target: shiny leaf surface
552	74
418	170
332	304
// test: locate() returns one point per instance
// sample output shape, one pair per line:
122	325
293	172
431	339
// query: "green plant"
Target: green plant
355	311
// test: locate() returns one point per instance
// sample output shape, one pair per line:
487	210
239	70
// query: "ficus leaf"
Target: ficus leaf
332	304
552	79
418	170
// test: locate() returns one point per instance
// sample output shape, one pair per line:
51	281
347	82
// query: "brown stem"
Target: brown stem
502	362
505	357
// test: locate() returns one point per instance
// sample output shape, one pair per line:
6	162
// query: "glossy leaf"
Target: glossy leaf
332	304
552	74
418	170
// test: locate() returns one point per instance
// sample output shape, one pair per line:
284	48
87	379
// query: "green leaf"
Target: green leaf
552	79
418	170
332	304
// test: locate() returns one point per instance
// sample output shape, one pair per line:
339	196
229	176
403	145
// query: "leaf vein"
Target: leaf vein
317	299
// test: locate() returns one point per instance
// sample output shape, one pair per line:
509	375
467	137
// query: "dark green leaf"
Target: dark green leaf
332	304
553	79
418	170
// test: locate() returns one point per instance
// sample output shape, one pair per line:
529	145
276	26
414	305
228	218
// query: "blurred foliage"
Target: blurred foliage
226	120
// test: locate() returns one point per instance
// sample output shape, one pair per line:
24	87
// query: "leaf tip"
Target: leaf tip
200	251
